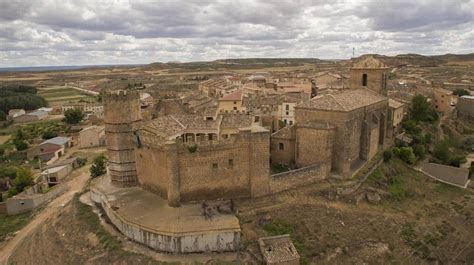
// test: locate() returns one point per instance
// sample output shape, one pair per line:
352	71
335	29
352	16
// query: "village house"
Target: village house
36	115
146	100
444	100
396	113
13	113
231	102
56	175
92	136
465	108
50	149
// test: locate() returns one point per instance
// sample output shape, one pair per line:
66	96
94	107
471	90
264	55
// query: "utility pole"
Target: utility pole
353	52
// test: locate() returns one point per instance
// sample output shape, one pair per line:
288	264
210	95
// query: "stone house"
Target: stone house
444	100
56	175
13	113
231	102
465	108
92	136
49	149
31	116
395	114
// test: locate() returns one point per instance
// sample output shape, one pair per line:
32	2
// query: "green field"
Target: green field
59	95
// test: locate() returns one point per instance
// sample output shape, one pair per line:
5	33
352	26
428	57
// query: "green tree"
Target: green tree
3	116
441	152
407	155
20	145
420	151
73	116
23	179
411	127
461	92
98	168
421	109
387	155
48	134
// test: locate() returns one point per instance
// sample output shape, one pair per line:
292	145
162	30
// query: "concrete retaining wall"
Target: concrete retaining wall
24	203
169	242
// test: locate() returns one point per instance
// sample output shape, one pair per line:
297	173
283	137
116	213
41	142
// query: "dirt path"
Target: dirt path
51	209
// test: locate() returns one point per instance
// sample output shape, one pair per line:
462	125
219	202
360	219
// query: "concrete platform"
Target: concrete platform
146	218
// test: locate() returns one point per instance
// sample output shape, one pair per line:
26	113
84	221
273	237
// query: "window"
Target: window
287	113
235	102
291	122
287	107
231	162
215	166
364	80
281	146
235	108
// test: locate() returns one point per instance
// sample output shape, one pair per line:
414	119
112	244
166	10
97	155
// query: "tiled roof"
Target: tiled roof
236	120
392	103
347	100
58	140
285	133
164	125
369	63
237	95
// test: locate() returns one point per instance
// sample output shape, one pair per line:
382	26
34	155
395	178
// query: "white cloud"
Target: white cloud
67	32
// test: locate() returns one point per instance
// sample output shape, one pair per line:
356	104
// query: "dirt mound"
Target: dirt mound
74	237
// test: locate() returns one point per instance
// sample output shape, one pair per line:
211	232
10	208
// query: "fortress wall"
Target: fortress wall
314	146
152	169
219	241
214	172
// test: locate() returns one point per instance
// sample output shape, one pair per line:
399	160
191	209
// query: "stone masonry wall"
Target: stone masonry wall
298	177
376	79
314	146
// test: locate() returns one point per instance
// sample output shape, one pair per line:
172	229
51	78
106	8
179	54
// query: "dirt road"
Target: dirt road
74	185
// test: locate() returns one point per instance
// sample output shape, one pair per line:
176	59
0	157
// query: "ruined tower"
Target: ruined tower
370	73
121	117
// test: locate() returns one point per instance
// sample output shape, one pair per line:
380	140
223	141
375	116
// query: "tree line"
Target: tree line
19	97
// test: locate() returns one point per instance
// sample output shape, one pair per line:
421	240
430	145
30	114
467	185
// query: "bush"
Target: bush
407	155
441	152
411	127
421	110
98	168
3	116
48	134
73	116
420	151
20	145
387	155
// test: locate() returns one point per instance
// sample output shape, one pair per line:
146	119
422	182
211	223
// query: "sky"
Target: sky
93	32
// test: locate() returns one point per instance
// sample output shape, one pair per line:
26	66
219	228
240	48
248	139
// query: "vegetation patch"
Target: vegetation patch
9	224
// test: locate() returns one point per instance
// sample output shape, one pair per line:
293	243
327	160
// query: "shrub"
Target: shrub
420	151
48	134
387	155
192	148
441	152
411	127
98	168
407	155
396	151
20	145
73	116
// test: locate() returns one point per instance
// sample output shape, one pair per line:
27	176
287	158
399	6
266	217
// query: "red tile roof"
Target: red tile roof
237	95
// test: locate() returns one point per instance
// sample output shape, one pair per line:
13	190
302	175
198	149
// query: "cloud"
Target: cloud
65	32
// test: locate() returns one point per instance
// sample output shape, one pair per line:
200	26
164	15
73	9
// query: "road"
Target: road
74	185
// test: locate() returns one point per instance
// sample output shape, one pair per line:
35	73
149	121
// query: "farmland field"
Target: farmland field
59	95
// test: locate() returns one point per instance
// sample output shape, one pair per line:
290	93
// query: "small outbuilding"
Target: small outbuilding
279	250
56	175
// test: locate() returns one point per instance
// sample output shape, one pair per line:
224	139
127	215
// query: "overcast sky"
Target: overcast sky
78	32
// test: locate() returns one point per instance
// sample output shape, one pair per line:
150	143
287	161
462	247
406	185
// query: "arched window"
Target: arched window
364	80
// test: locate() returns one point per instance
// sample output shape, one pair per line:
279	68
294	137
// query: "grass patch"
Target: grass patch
278	228
12	223
88	217
446	188
375	177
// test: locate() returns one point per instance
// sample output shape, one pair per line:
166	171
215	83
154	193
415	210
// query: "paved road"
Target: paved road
74	185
